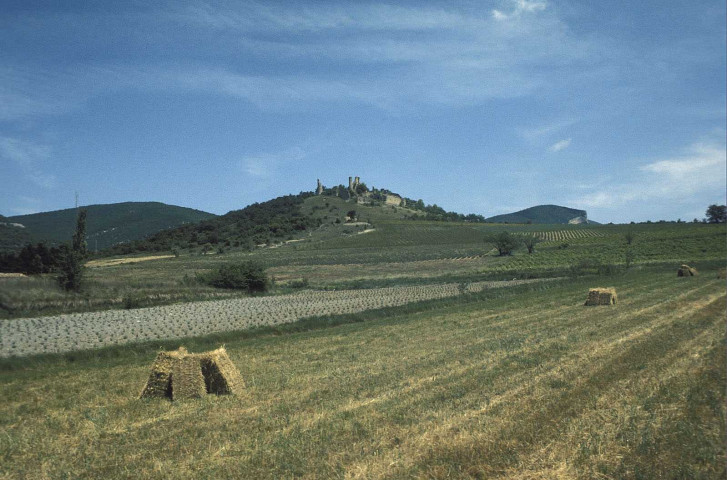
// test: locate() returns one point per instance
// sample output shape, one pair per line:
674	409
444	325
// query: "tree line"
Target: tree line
67	261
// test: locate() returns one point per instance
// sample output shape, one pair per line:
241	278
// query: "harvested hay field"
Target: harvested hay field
521	384
110	262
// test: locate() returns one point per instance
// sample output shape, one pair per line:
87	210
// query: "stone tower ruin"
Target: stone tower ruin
353	183
319	188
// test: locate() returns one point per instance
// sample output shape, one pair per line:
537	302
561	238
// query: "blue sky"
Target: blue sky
615	107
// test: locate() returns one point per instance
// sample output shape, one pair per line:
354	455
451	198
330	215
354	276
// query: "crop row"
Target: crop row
560	235
81	331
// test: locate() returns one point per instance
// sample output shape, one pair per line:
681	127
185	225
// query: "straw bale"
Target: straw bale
179	374
220	374
601	296
187	380
159	382
687	271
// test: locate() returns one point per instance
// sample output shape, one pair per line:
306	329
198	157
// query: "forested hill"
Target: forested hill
107	224
12	237
552	214
260	223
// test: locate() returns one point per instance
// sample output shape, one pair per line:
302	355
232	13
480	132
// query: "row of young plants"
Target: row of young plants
80	331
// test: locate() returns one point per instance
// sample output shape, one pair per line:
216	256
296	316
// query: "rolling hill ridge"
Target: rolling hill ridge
107	225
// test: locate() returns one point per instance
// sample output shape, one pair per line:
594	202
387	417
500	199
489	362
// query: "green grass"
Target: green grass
397	251
517	383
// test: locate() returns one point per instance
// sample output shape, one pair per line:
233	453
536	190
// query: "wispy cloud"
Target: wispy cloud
261	17
311	53
449	56
537	132
560	145
28	157
698	172
264	166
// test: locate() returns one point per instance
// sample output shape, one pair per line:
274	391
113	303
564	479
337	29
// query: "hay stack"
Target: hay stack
601	296
687	271
180	374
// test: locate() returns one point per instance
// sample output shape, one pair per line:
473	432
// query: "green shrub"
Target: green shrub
298	283
247	275
131	300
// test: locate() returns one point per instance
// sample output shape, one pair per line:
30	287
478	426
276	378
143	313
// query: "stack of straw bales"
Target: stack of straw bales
180	374
601	296
687	271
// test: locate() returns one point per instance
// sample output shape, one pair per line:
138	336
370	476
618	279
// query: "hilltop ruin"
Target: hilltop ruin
360	193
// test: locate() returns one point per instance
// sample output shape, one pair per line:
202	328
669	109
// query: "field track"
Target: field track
81	331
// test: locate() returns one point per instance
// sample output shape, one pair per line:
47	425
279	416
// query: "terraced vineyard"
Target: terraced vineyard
79	331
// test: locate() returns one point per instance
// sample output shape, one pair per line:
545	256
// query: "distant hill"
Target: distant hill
543	214
107	225
289	217
259	223
12	237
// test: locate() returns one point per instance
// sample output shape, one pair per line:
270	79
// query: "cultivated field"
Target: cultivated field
397	252
384	355
80	331
523	382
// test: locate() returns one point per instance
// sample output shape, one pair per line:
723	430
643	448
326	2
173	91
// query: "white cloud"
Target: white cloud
680	180
28	157
520	7
561	145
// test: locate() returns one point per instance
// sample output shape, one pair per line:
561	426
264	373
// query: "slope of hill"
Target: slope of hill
267	222
283	219
542	214
12	236
108	225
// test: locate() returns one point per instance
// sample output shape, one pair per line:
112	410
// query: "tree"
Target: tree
505	243
361	188
530	241
247	275
79	238
71	267
629	237
717	213
630	257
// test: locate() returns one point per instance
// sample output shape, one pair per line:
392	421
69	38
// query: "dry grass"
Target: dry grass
110	262
513	387
12	275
